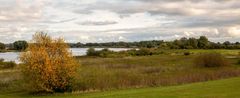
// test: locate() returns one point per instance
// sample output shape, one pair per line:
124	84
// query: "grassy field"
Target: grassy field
171	68
147	71
227	88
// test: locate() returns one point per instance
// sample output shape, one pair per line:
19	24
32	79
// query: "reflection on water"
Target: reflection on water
10	56
13	56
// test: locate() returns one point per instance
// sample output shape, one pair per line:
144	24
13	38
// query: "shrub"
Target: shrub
92	52
7	64
211	60
187	53
143	52
105	52
238	62
48	65
2	46
101	53
238	58
1	60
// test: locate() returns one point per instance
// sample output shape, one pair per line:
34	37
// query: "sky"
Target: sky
120	20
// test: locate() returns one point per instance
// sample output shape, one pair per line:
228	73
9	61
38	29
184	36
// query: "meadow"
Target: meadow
155	73
226	88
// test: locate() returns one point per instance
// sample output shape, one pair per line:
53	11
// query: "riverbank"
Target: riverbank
3	51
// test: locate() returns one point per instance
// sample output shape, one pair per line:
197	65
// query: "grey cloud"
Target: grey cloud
205	22
20	11
97	23
58	21
155	7
194	17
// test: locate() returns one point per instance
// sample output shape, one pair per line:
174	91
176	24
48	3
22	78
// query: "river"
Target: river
13	56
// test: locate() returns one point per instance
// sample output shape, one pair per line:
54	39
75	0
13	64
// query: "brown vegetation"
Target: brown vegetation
48	65
211	60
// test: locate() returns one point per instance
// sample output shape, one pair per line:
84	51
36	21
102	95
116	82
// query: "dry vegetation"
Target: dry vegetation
211	60
133	72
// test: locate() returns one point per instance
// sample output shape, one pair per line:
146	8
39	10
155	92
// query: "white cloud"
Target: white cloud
234	31
125	20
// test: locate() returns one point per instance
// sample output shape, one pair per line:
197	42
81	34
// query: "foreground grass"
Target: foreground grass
146	71
227	88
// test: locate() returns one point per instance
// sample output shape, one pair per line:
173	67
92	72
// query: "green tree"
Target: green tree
227	43
193	42
20	45
203	42
2	46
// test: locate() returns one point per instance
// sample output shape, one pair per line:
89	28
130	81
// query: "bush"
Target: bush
1	60
143	52
211	60
7	64
92	52
105	52
238	62
2	46
187	53
48	65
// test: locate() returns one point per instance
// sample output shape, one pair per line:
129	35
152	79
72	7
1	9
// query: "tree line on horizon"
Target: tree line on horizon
19	45
183	43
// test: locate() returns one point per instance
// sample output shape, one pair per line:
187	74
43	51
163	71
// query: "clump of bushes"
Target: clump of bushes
143	52
101	53
140	52
133	52
7	64
186	53
92	52
211	60
238	58
238	62
48	66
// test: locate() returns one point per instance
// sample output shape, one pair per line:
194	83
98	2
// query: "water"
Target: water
83	51
13	56
10	56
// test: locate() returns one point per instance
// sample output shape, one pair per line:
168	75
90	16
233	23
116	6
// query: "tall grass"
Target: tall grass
211	60
146	71
99	74
7	64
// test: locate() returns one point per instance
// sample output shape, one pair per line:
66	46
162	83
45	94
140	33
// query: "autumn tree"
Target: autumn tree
48	65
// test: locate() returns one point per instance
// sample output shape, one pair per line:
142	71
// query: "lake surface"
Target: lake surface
13	56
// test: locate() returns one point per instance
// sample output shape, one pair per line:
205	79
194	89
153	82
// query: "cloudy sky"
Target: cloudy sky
120	20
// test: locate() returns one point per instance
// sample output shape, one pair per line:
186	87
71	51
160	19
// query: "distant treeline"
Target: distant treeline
184	43
20	45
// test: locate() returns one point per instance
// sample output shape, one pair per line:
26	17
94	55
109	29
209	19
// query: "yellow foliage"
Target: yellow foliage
48	64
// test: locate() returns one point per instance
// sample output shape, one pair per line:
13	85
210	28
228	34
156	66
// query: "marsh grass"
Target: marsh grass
100	74
7	64
211	60
145	71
